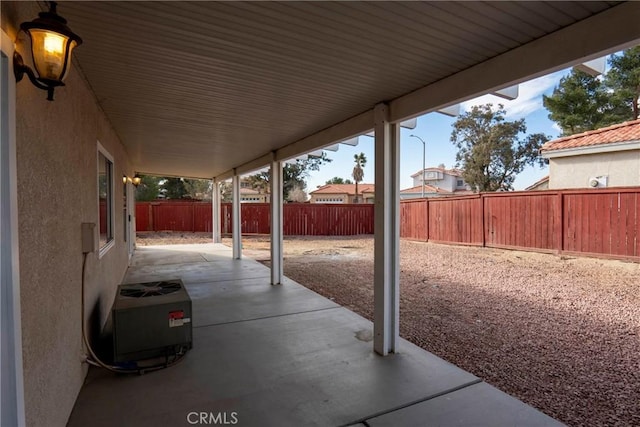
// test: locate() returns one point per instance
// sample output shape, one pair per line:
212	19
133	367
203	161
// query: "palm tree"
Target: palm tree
358	173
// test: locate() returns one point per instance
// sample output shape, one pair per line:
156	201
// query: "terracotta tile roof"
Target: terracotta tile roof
427	189
344	189
452	171
538	182
622	132
249	191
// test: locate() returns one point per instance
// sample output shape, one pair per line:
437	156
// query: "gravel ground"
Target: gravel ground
560	333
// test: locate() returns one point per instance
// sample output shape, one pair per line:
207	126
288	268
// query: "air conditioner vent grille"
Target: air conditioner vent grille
150	289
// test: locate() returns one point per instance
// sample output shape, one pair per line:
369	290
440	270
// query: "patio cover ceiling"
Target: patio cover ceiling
201	89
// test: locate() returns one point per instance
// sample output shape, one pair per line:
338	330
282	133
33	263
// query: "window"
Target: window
329	200
105	199
460	183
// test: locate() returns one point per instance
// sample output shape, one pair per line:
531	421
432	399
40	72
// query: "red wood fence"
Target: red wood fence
299	219
588	222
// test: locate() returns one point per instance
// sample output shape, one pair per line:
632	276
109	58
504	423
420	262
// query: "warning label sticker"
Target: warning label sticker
176	318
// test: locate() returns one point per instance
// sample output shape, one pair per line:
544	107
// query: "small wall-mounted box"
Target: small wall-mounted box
89	237
598	181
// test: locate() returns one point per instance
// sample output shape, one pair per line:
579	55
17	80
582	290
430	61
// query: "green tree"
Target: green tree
148	189
358	171
338	180
297	195
174	188
198	189
226	192
293	175
580	103
258	183
623	80
490	151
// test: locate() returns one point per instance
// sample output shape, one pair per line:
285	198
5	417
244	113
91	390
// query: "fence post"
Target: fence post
426	203
484	223
151	226
559	220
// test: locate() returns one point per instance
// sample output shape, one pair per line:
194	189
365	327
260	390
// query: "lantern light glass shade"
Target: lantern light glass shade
51	54
52	42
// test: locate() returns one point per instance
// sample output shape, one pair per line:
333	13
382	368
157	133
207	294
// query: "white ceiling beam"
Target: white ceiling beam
509	93
409	124
254	165
610	31
593	68
451	111
351	141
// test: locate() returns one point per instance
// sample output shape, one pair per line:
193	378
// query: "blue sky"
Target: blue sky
435	130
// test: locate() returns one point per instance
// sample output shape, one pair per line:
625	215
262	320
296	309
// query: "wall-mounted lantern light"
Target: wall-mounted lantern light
136	180
51	45
125	179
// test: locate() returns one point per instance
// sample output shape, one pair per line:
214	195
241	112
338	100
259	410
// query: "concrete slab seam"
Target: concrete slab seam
415	402
267	317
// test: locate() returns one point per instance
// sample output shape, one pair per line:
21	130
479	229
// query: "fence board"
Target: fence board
142	216
172	216
603	223
414	219
456	220
202	217
525	220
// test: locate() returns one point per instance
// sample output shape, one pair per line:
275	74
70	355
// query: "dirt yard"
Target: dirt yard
560	333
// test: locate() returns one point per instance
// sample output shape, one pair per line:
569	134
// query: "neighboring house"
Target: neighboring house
249	195
606	157
438	182
542	184
343	193
440	177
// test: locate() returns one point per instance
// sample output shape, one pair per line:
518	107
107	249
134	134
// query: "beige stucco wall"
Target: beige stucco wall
622	169
57	191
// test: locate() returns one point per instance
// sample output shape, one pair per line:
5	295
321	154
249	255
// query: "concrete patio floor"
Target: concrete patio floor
283	356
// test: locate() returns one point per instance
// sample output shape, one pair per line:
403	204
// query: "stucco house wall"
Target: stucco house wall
622	169
441	178
57	191
330	198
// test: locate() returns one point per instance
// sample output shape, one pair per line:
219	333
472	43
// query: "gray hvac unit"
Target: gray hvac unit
151	319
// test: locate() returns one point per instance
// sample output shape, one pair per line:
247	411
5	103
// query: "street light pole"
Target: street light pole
424	149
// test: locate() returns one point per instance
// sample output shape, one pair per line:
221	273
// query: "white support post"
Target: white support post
236	218
387	234
277	273
215	213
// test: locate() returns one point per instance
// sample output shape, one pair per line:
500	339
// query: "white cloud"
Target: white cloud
529	98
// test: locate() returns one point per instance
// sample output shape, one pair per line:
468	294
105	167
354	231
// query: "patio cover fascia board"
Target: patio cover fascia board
606	32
